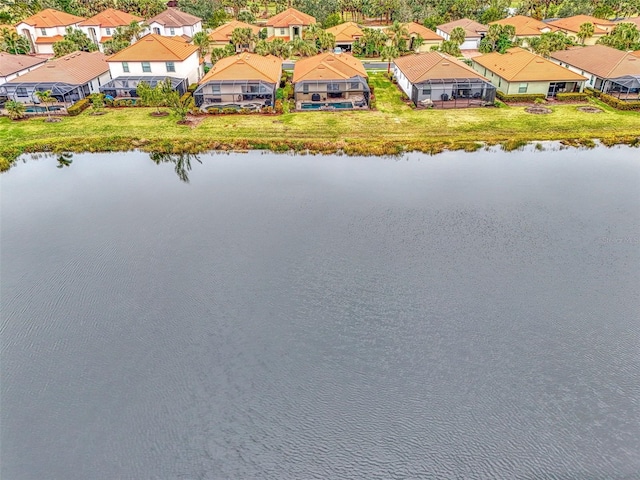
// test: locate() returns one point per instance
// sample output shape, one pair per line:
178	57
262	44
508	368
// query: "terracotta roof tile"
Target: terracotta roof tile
76	68
526	26
48	40
290	16
223	32
472	29
155	48
417	29
246	66
518	64
600	60
572	24
10	64
111	18
51	18
172	17
346	32
328	66
433	65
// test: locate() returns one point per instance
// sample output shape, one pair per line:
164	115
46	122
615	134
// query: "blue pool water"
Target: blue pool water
317	106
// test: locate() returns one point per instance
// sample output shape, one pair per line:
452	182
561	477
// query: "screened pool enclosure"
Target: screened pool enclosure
623	88
352	91
252	94
127	86
453	93
25	92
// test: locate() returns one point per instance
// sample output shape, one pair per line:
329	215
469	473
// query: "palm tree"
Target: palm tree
11	42
45	97
243	38
15	110
263	48
398	31
302	48
201	40
390	53
135	30
457	35
586	31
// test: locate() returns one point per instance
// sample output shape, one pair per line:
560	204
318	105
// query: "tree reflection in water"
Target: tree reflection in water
65	159
182	162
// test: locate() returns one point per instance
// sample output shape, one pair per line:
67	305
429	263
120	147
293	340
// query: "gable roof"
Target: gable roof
10	64
51	18
572	24
223	32
155	48
416	29
76	68
472	29
526	26
636	53
328	66
600	60
172	17
420	67
517	64
111	18
246	66
346	32
290	16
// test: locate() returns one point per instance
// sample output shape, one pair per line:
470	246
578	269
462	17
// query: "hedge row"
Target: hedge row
619	104
572	97
78	107
520	97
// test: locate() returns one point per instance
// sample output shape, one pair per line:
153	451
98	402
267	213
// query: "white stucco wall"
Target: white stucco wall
8	78
591	78
189	68
188	30
403	82
34	33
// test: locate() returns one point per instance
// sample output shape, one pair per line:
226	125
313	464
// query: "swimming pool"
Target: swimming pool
318	106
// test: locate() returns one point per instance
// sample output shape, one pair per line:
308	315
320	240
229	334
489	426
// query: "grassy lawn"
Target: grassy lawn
392	128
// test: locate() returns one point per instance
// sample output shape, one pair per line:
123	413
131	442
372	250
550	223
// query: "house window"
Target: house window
499	81
107	31
146	67
426	90
43	31
21	92
215	88
125	67
170	67
523	88
172	31
333	87
156	30
354	85
305	88
282	31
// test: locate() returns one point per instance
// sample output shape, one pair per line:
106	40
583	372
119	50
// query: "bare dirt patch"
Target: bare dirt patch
589	109
538	110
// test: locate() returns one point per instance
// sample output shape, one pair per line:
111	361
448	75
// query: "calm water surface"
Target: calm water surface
463	316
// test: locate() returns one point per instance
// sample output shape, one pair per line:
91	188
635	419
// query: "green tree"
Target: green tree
586	31
75	40
246	16
624	36
155	96
332	20
373	40
15	110
302	48
97	102
450	48
45	97
179	105
398	32
457	35
416	42
389	53
499	38
550	42
13	43
243	38
201	40
218	53
235	5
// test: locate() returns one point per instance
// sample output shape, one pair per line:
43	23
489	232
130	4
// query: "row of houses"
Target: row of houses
325	81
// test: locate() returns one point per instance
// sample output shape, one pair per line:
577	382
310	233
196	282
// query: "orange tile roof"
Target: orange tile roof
572	24
415	29
172	17
472	29
76	69
420	67
526	26
111	18
49	40
223	32
521	65
600	60
155	48
51	18
10	64
290	16
286	38
636	53
346	32
246	66
328	66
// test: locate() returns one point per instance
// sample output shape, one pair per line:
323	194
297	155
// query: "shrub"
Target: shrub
192	88
287	91
619	104
185	96
229	110
124	102
78	107
213	110
592	92
15	110
520	97
279	107
373	102
267	109
572	97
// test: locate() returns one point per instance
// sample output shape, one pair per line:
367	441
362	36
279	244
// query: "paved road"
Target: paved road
288	65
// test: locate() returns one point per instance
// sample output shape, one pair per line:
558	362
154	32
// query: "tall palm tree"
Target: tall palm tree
398	31
11	42
135	30
389	53
302	47
457	35
243	38
45	97
586	31
201	40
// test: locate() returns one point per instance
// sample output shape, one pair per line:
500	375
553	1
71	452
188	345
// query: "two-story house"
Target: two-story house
46	28
571	26
153	59
526	27
473	32
175	23
101	27
288	25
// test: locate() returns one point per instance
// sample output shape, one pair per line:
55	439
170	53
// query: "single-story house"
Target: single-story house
473	32
526	27
175	23
429	37
434	79
46	28
346	33
153	59
571	26
330	81
288	24
101	27
221	36
598	63
13	66
518	71
246	80
69	78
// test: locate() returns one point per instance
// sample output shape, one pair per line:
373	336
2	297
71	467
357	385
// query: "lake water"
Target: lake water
461	316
